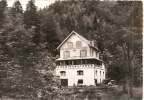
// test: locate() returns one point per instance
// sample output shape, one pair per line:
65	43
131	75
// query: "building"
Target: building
79	62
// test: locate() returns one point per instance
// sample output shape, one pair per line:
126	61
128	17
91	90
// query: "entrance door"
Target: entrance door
64	82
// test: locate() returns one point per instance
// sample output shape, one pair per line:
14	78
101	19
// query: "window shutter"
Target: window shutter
70	45
80	53
63	54
68	53
85	53
78	44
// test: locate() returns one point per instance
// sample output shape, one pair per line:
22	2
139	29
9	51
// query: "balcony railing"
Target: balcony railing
80	66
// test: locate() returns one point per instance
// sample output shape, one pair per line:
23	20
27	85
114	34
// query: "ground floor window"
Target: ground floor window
80	81
95	81
80	72
96	72
63	73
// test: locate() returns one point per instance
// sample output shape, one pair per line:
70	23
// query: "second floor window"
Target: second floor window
96	72
74	53
78	44
63	73
70	45
83	53
66	54
80	72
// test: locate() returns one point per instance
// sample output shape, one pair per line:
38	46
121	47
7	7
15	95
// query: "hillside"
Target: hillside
28	41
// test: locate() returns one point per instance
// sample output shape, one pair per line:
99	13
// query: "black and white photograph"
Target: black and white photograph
71	50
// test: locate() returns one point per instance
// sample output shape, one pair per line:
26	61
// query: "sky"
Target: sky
38	3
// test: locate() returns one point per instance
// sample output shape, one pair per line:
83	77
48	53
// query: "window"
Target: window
63	73
80	72
83	53
74	62
70	45
70	62
96	72
103	73
74	53
100	73
60	63
66	54
96	54
78	44
80	81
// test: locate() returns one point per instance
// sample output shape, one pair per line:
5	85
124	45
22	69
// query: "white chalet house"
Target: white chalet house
79	62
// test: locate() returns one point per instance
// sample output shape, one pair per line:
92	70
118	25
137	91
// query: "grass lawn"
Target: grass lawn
137	93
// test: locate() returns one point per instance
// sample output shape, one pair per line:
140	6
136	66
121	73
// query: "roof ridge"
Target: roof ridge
81	37
84	39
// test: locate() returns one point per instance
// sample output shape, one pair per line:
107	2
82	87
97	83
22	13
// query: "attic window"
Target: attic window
70	45
83	53
66	54
78	44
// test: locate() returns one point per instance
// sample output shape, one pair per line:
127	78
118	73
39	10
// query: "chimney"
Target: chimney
92	43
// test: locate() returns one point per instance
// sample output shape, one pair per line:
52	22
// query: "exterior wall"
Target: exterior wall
74	38
98	76
94	53
89	70
89	74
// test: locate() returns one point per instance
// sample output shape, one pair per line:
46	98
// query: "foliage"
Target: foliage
29	39
31	17
3	5
17	8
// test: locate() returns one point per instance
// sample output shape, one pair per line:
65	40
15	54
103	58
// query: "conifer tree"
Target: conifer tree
3	5
32	20
17	8
31	17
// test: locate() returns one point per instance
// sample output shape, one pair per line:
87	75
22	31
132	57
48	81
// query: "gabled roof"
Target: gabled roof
81	37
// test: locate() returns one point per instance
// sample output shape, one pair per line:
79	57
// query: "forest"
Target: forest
29	38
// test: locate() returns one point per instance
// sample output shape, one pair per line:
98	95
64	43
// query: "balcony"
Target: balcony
80	66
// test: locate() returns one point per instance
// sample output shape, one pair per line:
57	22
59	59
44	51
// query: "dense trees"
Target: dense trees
29	38
17	8
3	5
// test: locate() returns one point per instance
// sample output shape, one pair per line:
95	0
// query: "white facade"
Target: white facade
79	62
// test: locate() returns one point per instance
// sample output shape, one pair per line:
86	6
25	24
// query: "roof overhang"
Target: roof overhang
73	32
60	59
95	48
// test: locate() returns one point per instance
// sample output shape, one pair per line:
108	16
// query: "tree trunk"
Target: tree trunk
124	87
130	83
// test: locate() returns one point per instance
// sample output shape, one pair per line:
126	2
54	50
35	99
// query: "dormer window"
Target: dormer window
70	45
78	44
